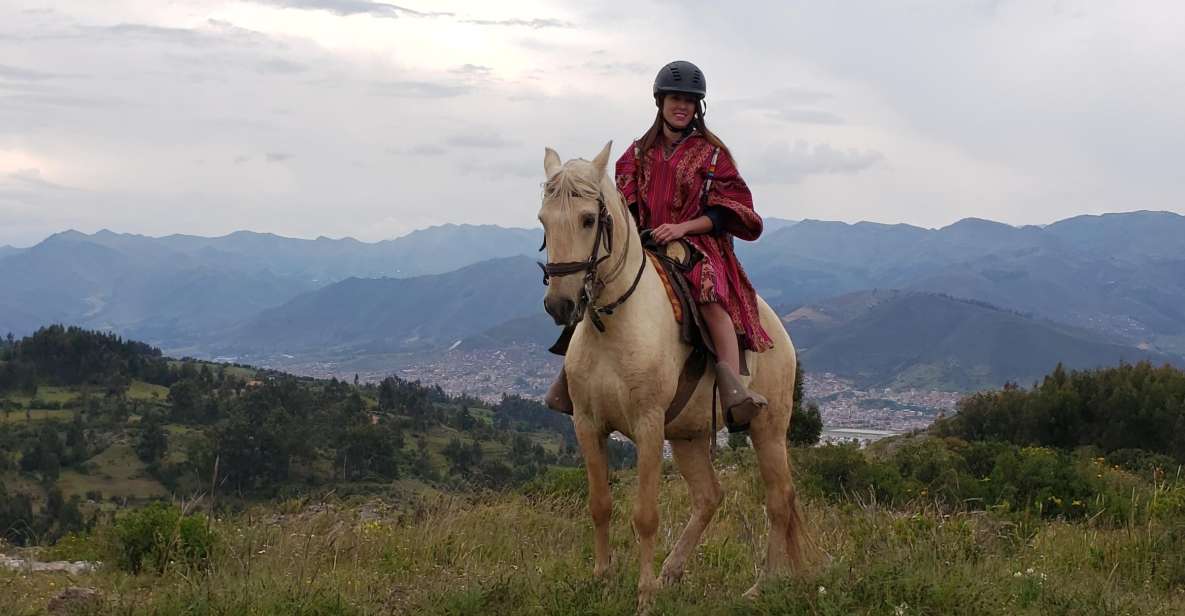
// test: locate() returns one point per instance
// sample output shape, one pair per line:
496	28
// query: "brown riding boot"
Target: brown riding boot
740	404
557	398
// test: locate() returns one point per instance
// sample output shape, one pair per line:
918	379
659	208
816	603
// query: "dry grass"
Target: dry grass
116	472
517	554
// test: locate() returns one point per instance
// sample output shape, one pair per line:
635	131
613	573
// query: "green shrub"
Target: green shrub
839	471
76	546
157	535
1140	461
565	482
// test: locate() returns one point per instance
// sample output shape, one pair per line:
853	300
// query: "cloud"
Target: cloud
419	89
280	66
791	104
510	169
612	68
346	8
472	69
32	99
488	140
32	178
806	116
184	36
23	74
277	157
785	163
792	95
425	149
534	24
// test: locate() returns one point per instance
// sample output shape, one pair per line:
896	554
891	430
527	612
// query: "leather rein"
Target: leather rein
593	283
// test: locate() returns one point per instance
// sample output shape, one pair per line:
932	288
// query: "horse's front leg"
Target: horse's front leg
648	440
600	501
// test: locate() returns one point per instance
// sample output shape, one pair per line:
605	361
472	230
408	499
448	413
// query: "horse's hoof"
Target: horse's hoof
601	571
671	576
646	595
645	603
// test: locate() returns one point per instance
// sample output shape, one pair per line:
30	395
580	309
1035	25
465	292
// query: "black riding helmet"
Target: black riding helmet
680	76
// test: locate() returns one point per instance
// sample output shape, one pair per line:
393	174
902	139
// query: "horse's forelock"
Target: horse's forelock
570	183
575	180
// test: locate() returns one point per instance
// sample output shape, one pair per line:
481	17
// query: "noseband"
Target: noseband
592	284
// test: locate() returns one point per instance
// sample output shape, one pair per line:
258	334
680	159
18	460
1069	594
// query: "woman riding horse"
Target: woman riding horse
680	181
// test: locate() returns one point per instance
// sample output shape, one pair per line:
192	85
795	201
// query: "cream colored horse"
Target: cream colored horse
624	378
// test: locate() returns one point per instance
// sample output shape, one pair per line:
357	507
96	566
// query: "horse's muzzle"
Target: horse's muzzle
560	309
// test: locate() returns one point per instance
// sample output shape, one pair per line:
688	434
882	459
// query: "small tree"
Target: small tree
153	441
738	440
806	422
806	426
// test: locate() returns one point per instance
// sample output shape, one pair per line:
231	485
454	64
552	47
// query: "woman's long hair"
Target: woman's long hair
654	133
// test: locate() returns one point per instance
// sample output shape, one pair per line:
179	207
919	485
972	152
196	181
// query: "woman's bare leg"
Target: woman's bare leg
723	334
740	403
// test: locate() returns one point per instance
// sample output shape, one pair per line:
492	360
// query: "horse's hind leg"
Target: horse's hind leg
695	463
600	499
768	432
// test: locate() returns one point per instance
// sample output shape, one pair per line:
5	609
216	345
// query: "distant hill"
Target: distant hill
393	314
180	290
1122	274
137	289
536	329
9	250
434	250
773	225
929	341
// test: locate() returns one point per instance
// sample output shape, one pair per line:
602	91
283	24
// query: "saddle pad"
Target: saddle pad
676	305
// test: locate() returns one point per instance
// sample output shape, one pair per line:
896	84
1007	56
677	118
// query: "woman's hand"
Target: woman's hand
664	234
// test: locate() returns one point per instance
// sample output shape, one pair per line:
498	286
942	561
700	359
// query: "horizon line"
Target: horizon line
534	228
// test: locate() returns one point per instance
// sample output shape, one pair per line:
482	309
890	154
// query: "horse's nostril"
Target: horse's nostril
559	309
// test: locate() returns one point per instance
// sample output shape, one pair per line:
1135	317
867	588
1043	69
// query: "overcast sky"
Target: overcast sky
369	119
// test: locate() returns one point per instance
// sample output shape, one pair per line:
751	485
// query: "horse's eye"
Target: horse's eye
574	195
588	220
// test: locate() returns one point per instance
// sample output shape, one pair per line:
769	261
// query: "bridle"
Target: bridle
593	283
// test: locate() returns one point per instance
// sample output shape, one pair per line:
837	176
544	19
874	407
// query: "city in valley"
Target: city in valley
848	411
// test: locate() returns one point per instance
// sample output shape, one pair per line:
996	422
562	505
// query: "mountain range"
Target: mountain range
392	314
1088	289
910	339
1121	274
180	290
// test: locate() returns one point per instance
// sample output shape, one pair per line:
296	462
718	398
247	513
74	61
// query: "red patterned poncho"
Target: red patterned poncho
671	189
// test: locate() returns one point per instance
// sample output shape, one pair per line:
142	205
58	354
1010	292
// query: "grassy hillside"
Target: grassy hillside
116	473
94	426
529	552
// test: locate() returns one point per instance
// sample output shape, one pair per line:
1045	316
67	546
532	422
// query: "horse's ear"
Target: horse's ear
602	159
551	162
